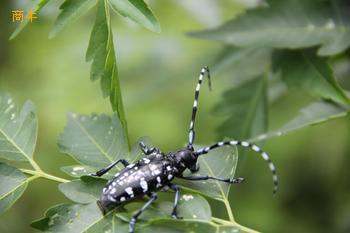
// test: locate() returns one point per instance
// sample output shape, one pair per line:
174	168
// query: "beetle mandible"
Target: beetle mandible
157	170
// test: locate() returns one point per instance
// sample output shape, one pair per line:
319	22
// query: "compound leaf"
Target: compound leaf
246	106
177	226
71	10
95	140
241	64
84	191
312	114
304	70
12	185
74	218
287	24
138	11
18	130
104	66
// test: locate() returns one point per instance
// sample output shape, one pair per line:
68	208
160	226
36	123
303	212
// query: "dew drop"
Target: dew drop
330	24
78	168
187	197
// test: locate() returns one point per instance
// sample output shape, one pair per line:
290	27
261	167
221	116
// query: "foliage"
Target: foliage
259	42
101	46
272	45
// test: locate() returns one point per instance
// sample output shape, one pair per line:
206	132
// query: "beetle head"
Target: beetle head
186	157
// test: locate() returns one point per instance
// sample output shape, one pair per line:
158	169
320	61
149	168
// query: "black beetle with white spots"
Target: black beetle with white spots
157	170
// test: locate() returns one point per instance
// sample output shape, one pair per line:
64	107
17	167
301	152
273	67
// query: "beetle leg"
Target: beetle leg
228	180
137	214
145	149
105	170
176	189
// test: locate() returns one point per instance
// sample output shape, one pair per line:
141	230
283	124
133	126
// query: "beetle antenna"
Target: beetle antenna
191	134
245	144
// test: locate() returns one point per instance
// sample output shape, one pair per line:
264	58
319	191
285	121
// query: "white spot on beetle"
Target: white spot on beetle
129	191
111	198
153	167
113	190
159	180
156	172
220	143
170	177
144	185
233	143
146	160
122	198
168	168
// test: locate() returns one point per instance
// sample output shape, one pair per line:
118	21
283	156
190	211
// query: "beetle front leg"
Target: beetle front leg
176	189
228	180
105	170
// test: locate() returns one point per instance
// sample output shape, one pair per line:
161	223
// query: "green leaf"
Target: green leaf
137	11
241	64
86	190
104	66
287	24
88	218
95	140
246	108
74	218
18	130
179	226
37	6
191	206
12	185
314	113
304	70
71	10
218	163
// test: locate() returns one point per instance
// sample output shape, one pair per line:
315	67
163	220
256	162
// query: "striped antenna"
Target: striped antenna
245	144
191	133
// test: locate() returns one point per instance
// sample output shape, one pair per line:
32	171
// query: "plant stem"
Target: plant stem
222	221
229	210
35	165
40	173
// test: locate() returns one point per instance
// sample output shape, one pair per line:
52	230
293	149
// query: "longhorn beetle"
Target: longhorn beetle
157	170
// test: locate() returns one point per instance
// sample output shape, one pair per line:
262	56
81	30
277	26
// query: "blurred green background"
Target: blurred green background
158	73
